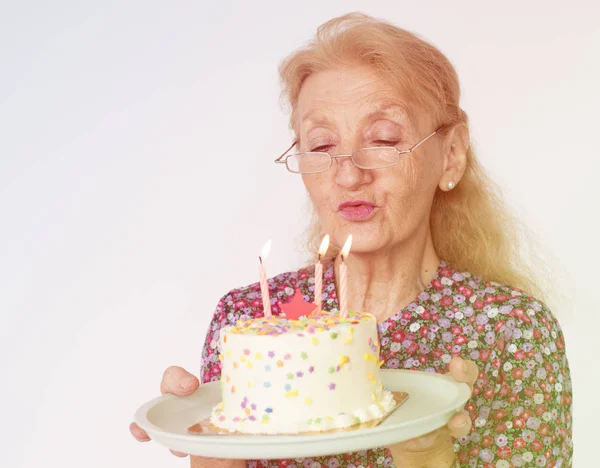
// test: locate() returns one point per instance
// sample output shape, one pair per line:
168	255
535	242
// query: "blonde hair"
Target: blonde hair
470	225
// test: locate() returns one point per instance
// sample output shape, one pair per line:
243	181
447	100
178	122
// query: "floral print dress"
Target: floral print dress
521	402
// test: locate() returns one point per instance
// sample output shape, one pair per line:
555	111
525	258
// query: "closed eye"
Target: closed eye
385	143
321	149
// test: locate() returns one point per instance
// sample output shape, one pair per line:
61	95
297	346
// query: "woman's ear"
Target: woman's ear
456	145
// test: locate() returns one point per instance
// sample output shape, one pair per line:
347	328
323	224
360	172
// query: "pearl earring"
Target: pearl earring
450	185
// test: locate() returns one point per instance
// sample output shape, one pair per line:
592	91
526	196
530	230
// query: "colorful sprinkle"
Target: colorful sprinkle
279	363
278	325
267	368
268	410
289	375
331	370
311	369
271	354
303	355
267	384
258	356
331	386
370	357
315	340
333	335
292	393
247	352
287	387
308	401
299	374
287	356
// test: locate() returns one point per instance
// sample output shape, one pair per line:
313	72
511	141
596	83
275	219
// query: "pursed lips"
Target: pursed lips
356	210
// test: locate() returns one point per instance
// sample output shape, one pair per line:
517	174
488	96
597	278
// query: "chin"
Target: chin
365	238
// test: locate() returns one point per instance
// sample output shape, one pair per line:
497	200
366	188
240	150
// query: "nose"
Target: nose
348	176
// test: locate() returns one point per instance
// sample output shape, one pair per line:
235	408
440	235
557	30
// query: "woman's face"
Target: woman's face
340	111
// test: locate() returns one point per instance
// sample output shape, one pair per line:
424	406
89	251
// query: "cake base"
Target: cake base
205	427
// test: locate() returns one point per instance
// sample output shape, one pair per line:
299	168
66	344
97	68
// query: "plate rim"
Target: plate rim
140	417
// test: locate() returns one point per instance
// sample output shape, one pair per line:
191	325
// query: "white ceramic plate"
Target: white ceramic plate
433	399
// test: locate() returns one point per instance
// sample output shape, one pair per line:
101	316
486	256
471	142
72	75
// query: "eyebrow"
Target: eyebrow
386	109
391	109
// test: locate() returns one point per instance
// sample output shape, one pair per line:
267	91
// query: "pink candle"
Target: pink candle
318	284
264	286
344	278
343	290
319	273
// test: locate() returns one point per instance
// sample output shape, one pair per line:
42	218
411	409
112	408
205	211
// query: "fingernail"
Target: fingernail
186	382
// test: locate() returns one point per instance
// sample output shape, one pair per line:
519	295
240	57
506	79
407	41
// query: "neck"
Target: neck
384	282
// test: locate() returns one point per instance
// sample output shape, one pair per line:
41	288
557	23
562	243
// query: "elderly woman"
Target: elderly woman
383	149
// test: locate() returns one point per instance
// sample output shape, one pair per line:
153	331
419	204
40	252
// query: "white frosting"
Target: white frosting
289	376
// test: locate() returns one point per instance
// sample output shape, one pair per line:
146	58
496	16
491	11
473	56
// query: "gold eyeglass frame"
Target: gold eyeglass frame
285	155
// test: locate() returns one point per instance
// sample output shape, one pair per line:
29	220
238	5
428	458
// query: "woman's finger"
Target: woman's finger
178	454
178	381
423	442
463	371
138	433
460	424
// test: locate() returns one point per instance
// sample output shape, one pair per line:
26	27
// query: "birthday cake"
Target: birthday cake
289	376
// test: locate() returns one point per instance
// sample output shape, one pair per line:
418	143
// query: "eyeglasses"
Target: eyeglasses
378	157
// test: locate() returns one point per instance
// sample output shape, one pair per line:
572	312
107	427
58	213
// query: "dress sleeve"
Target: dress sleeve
522	403
223	316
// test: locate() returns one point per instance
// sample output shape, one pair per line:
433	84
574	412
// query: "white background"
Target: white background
136	187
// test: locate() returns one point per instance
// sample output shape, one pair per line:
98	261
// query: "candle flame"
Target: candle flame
324	246
346	249
265	250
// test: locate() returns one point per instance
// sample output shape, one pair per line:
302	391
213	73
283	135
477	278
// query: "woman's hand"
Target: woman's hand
178	381
436	448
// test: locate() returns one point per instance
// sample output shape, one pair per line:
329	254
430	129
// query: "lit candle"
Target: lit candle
319	273
264	286
344	278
